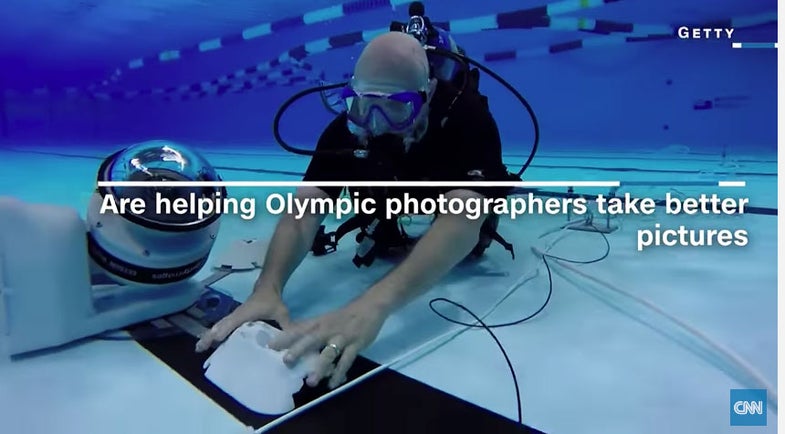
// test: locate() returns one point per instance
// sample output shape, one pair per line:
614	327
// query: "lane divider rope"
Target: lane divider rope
294	59
464	25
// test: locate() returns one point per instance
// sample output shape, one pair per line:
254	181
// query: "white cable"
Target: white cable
742	364
427	348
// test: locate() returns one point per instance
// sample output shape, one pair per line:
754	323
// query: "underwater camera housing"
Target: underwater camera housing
152	247
63	278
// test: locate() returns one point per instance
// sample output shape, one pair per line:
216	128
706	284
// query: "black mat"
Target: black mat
388	402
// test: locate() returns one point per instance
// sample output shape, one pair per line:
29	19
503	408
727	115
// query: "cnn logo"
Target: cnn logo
748	407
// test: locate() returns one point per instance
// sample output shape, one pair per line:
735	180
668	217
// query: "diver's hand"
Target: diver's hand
263	304
349	329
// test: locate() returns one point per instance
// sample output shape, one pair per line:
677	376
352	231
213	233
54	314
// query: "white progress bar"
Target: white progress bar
755	45
359	184
279	184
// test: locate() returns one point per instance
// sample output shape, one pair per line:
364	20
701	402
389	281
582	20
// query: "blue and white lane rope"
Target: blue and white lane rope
516	19
507	20
216	86
340	41
343	11
261	30
297	54
636	33
274	79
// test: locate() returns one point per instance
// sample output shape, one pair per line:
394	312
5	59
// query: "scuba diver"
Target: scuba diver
404	120
388	238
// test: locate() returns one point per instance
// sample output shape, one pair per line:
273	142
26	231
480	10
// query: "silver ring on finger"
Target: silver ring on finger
335	348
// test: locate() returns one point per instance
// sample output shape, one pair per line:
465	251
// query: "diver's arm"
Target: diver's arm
446	243
291	241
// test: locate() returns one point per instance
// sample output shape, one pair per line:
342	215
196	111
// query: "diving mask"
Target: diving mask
381	112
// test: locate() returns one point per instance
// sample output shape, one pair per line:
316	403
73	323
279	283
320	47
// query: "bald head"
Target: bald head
392	60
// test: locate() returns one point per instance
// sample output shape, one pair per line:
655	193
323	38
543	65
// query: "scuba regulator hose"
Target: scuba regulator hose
285	106
461	58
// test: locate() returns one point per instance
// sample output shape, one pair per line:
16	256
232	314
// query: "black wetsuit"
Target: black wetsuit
465	147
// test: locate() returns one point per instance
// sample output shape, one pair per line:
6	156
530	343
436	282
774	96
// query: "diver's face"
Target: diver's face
389	104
